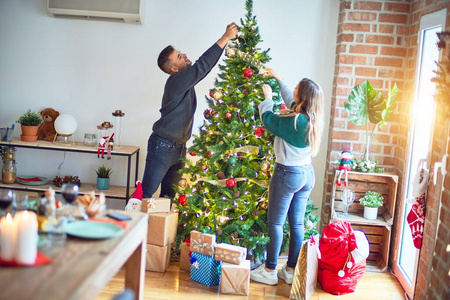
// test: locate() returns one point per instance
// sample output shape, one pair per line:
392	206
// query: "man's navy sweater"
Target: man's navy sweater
179	100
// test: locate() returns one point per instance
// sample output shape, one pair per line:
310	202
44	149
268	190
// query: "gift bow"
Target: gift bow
201	247
151	203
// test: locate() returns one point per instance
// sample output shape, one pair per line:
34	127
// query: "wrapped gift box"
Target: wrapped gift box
158	205
162	228
230	253
185	264
235	279
157	258
202	243
205	269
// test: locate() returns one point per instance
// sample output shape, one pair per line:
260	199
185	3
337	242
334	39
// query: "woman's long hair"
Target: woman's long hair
310	96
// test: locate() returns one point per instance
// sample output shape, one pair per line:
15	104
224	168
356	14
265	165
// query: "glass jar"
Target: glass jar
90	139
9	153
9	171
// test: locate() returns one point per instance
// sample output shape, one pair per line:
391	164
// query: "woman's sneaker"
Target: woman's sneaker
261	275
286	275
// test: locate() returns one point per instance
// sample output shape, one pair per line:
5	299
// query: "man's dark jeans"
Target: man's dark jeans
162	165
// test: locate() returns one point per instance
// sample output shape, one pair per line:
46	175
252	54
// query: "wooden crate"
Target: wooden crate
379	242
360	183
378	231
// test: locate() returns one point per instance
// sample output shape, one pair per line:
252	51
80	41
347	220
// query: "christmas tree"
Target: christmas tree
225	191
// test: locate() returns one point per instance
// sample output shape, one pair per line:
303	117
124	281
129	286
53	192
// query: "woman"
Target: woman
297	139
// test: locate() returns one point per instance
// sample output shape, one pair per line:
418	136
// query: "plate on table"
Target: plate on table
32	180
93	230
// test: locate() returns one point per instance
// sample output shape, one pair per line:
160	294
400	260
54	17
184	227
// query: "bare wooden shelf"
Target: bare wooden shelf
114	191
377	231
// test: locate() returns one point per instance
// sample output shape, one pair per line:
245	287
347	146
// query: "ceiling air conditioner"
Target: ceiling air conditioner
127	11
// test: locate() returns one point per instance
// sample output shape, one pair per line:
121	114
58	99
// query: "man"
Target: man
167	143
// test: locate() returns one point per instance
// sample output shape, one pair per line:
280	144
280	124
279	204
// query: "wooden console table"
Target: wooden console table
82	267
118	192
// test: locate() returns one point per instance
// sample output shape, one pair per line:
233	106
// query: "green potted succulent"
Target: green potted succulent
103	174
371	201
367	105
29	122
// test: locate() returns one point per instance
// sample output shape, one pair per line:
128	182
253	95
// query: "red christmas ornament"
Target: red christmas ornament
211	94
231	182
192	154
283	106
264	206
259	131
182	200
248	72
228	115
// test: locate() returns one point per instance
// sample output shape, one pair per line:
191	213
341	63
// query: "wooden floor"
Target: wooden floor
176	284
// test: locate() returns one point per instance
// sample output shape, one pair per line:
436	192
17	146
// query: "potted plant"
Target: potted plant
371	201
365	104
29	122
103	174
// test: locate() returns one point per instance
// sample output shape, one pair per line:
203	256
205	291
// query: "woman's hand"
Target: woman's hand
272	73
267	90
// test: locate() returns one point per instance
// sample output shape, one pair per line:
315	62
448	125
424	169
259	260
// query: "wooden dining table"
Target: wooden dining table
81	267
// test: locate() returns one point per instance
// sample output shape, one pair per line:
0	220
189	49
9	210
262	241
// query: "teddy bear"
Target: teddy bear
47	128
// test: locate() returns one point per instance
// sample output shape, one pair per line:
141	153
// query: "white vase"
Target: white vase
370	213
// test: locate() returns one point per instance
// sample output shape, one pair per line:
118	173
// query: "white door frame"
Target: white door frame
426	22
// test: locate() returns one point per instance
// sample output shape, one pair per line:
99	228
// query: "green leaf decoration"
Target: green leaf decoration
391	105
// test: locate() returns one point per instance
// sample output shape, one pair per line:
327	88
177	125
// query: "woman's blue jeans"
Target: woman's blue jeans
288	195
162	165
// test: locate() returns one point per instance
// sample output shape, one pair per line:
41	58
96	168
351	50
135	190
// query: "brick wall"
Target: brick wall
371	45
377	40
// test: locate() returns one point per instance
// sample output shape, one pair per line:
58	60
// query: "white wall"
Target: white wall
91	68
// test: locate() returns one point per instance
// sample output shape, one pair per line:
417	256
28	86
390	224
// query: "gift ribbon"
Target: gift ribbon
219	270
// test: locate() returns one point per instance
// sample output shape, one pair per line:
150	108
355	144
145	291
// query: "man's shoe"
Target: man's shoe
286	275
261	275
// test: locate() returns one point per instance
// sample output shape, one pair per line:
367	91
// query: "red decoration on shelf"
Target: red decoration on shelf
231	182
248	72
182	200
259	131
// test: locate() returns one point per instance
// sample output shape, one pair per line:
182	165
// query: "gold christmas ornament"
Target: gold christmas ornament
231	52
221	220
217	95
182	183
265	166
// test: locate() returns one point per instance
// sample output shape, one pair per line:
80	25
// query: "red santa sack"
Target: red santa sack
338	273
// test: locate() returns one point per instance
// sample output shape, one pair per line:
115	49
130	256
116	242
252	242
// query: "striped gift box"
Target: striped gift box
205	269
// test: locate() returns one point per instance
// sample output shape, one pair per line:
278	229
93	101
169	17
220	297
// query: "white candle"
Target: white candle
8	238
27	237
